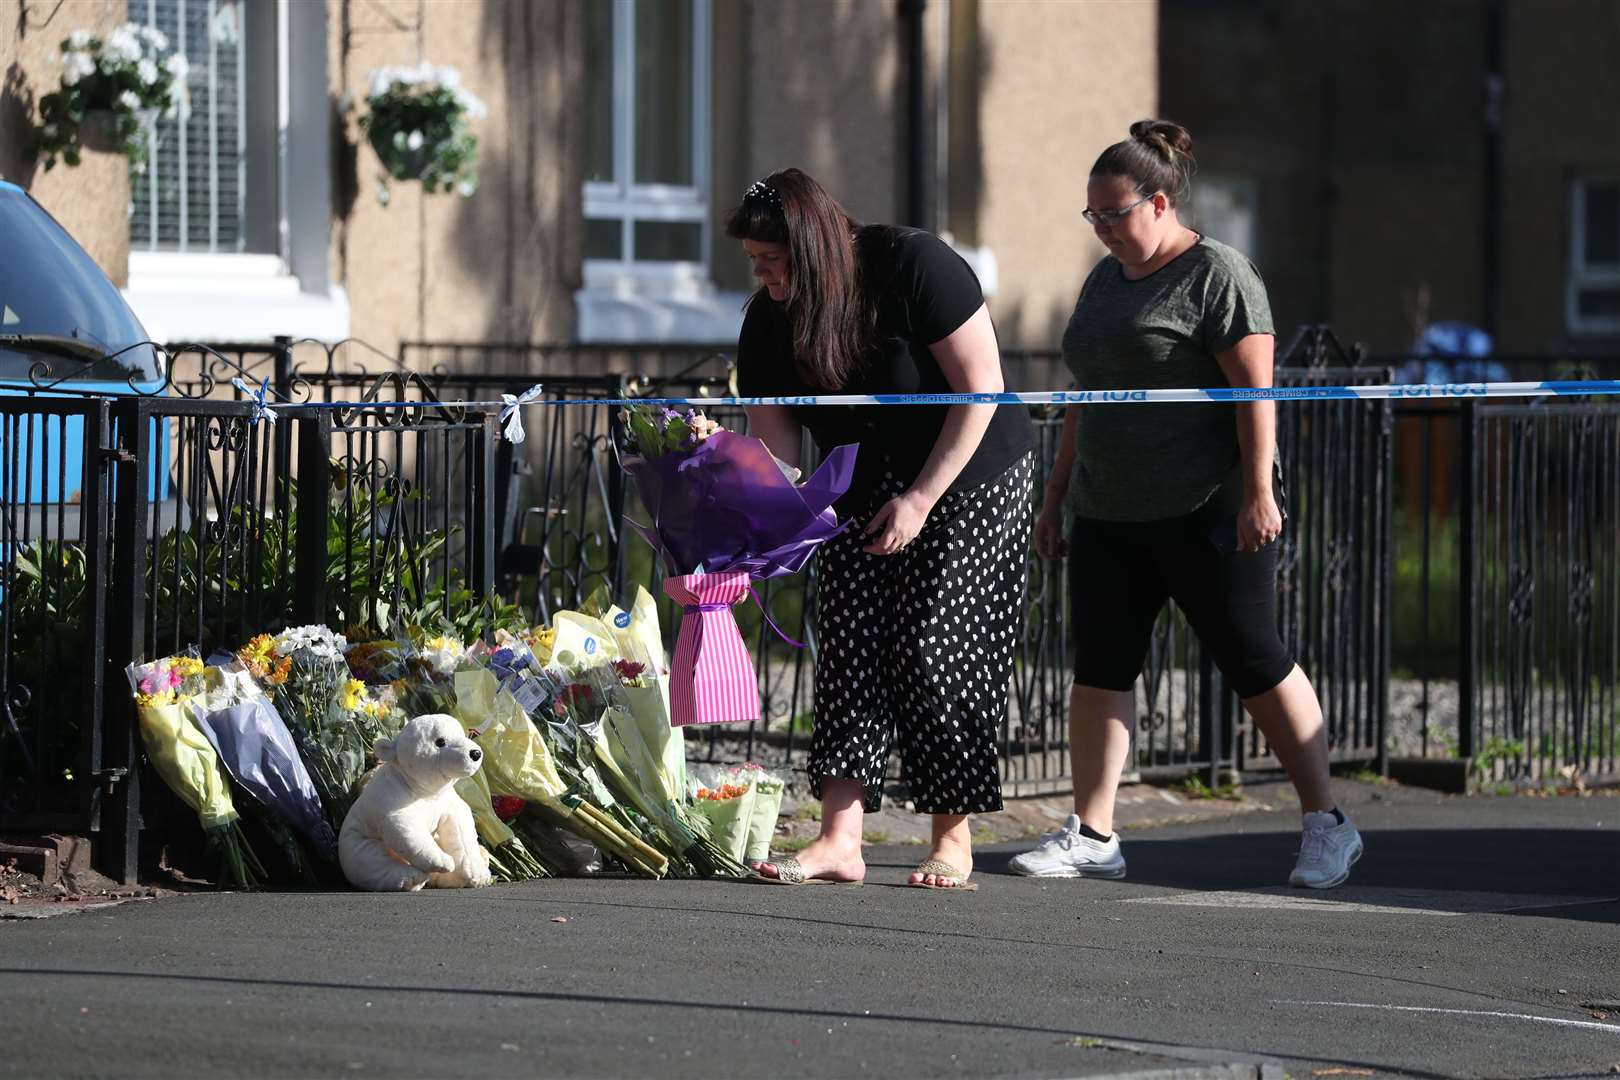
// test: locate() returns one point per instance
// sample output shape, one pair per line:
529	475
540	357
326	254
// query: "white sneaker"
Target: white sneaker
1066	853
1327	849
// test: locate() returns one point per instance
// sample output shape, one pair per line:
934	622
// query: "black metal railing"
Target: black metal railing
1449	581
1333	585
1452	565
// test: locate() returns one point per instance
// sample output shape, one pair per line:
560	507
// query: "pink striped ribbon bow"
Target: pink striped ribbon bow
711	680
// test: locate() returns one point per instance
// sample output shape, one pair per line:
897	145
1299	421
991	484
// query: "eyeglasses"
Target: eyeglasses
1097	217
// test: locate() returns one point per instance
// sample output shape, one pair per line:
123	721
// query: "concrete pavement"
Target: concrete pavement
1479	937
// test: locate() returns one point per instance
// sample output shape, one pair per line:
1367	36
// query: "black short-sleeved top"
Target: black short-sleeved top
926	292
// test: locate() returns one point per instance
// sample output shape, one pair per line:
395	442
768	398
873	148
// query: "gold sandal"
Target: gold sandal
939	868
789	872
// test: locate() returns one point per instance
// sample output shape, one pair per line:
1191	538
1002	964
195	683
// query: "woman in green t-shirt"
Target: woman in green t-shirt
1172	501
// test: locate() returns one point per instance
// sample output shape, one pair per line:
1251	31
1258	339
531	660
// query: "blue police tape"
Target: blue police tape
511	405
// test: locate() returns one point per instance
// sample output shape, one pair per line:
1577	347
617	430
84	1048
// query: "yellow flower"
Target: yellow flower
354	695
259	655
188	666
449	644
542	641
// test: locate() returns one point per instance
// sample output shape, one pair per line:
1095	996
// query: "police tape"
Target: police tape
511	405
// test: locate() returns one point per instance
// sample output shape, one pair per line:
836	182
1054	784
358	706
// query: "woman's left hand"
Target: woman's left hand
1259	522
898	523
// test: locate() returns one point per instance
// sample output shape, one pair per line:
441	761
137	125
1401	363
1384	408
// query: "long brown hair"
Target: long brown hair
831	313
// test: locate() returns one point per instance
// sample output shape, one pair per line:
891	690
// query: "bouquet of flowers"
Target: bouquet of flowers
257	751
728	808
637	777
304	671
179	752
520	763
768	791
724	511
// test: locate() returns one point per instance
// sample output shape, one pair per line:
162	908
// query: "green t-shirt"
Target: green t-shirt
1154	461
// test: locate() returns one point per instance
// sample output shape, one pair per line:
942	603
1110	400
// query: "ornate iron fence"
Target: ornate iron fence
1540	571
202	521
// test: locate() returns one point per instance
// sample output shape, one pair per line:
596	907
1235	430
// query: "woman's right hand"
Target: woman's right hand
1049	542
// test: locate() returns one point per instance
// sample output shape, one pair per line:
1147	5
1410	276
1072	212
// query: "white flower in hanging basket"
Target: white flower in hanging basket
111	90
416	121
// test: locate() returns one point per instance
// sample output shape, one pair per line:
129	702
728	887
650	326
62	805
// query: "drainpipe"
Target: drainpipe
911	26
1491	188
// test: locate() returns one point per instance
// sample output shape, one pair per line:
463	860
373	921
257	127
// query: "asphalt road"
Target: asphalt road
1479	937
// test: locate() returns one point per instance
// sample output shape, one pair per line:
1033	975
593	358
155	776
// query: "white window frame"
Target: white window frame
627	201
253	297
1581	275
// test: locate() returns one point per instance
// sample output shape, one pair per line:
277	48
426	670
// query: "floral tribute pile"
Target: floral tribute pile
582	770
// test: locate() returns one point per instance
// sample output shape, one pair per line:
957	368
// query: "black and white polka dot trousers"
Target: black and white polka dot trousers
919	645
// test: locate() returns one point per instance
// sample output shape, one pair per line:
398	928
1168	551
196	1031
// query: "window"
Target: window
1593	305
197	192
647	73
235	201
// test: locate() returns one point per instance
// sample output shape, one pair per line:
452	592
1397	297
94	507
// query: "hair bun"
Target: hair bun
1169	140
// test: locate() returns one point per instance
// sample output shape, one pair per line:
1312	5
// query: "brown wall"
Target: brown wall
1365	145
1057	83
1367	138
822	95
1561	119
92	200
502	265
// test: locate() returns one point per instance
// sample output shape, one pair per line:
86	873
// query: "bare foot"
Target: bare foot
827	858
956	851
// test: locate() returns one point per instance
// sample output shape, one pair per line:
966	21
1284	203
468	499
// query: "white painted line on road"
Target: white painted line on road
1372	900
1613	1029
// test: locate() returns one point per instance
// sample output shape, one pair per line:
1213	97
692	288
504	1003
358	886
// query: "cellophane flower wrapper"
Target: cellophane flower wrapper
258	752
728	808
182	756
768	791
643	670
519	761
636	776
725	507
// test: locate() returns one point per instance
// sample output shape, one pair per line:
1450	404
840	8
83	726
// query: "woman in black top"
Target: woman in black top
920	601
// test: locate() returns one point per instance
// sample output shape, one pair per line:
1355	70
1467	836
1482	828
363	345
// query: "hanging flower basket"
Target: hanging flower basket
416	122
112	91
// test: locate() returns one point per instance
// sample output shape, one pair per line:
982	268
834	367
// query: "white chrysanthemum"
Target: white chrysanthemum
155	37
315	638
177	66
465	188
130	100
148	71
414	140
80	39
123	44
75	67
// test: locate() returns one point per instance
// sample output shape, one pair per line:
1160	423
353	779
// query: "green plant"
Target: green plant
125	77
1194	788
875	836
417	124
1420	647
1497	750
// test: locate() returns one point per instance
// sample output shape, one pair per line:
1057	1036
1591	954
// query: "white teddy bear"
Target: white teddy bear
409	828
